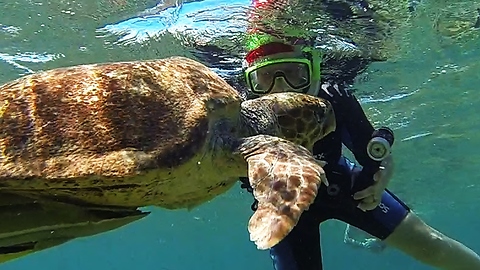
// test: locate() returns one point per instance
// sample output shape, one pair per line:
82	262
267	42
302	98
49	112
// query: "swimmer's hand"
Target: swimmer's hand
371	197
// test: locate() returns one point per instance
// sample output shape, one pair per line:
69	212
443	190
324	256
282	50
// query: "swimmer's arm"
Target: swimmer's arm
358	128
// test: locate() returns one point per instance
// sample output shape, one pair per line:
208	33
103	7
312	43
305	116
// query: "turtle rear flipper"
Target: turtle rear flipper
285	179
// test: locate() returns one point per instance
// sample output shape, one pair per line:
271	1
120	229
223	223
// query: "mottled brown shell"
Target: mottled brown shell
108	120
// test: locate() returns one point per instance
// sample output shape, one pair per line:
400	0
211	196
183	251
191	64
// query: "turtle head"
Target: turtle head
300	118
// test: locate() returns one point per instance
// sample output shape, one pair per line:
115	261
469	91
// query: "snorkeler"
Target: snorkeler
279	63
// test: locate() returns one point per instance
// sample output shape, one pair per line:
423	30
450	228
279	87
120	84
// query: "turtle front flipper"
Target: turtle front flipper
285	179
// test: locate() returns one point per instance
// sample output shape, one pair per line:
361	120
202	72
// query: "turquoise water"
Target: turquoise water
427	93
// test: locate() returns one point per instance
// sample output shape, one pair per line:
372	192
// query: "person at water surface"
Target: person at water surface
279	61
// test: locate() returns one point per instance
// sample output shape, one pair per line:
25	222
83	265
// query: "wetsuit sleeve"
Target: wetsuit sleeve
356	128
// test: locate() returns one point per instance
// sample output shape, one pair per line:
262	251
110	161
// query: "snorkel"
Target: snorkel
316	71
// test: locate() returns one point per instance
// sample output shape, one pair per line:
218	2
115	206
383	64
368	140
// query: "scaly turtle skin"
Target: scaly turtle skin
167	132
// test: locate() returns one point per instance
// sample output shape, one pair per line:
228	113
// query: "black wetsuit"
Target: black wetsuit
300	250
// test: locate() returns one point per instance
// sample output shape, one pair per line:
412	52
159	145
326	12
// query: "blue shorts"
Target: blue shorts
301	250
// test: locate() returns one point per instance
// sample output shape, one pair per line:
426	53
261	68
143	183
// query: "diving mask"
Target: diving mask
300	74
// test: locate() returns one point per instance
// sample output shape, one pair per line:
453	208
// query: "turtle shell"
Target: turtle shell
107	133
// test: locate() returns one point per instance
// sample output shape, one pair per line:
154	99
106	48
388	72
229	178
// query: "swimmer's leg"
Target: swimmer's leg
417	239
399	227
300	249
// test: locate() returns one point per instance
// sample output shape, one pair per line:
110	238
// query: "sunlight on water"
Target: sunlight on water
192	19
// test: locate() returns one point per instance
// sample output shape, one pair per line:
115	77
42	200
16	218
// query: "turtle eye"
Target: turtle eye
216	104
327	118
211	106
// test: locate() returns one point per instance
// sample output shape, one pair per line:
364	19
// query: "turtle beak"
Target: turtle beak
330	124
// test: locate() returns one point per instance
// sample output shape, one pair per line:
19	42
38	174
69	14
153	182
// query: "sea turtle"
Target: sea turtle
30	225
167	132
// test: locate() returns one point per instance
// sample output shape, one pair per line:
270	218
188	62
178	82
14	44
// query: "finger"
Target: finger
368	206
379	174
324	179
322	163
364	193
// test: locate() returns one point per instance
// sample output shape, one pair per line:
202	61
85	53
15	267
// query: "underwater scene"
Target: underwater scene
412	65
